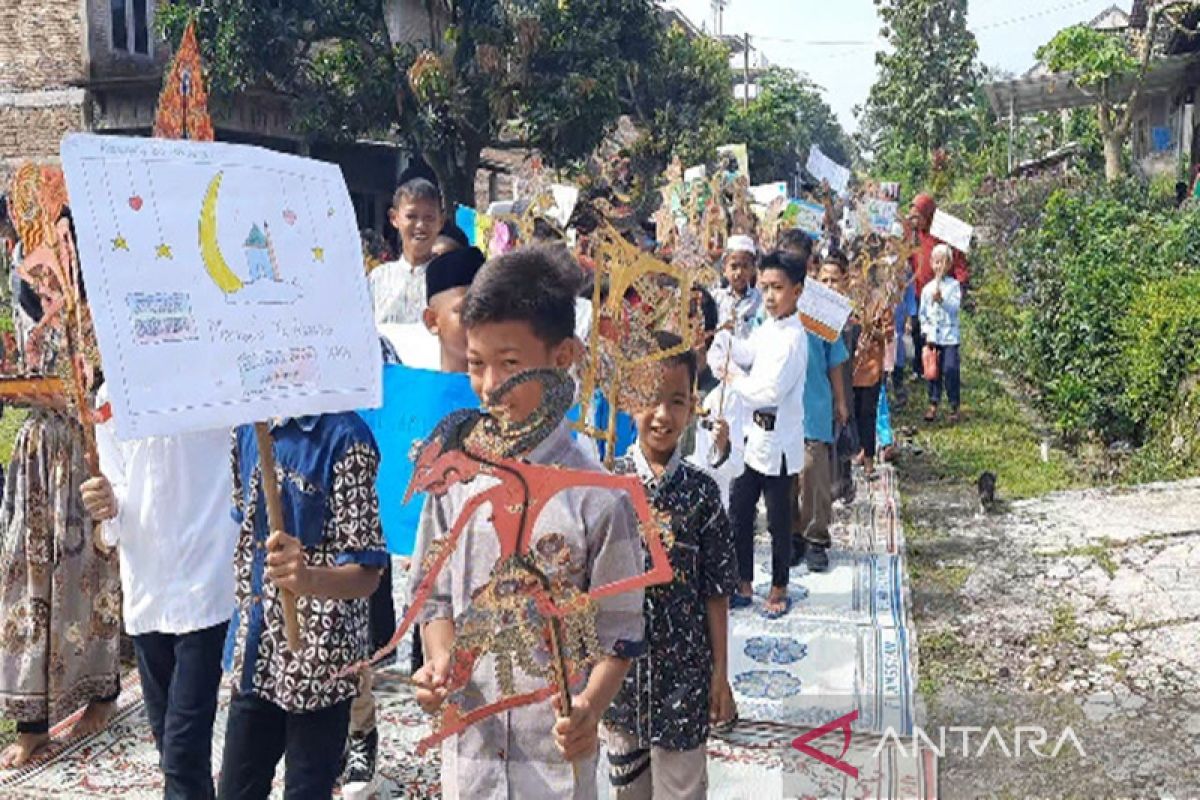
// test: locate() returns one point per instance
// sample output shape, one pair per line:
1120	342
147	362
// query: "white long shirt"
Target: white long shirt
173	528
397	292
776	355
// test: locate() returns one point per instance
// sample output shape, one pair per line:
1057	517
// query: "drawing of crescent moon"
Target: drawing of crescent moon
210	250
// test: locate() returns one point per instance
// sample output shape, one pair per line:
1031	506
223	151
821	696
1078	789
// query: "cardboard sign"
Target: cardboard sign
226	283
823	311
808	217
414	402
823	168
695	173
881	215
951	230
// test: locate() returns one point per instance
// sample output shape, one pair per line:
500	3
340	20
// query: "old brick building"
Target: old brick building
96	65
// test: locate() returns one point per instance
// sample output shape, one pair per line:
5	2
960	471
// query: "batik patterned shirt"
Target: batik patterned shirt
664	700
592	535
326	467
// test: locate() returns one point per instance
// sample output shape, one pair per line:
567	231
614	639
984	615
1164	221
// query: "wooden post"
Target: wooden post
270	488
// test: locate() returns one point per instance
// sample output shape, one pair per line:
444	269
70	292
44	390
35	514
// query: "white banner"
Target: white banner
822	167
226	283
951	230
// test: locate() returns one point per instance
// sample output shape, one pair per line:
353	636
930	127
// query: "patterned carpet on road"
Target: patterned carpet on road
846	648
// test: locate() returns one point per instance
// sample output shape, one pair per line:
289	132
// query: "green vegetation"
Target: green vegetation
1088	294
997	435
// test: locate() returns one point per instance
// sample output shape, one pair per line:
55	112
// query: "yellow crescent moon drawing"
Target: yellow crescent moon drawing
210	251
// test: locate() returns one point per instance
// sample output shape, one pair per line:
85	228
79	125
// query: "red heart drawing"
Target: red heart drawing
135	202
289	217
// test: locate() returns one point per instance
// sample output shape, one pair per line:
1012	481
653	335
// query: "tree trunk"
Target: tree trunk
1113	145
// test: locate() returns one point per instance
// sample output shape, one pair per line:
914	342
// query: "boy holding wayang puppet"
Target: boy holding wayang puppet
657	727
519	316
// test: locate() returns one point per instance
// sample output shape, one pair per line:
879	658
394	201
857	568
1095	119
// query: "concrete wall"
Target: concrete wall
41	54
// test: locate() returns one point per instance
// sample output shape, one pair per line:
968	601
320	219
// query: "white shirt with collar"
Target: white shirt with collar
398	292
777	358
173	528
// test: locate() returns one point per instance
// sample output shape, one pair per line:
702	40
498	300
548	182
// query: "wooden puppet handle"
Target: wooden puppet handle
270	487
559	660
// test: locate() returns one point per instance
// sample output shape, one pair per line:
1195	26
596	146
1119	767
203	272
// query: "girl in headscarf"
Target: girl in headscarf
60	594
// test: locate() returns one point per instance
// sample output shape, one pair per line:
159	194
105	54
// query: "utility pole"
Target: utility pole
718	11
746	73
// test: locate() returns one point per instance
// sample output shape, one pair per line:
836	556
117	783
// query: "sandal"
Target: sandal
954	417
786	602
741	600
931	414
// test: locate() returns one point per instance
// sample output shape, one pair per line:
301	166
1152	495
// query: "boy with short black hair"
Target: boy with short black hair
657	727
520	316
773	392
398	287
330	557
835	274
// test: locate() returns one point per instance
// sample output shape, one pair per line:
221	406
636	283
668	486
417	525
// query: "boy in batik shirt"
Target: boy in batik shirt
657	727
330	557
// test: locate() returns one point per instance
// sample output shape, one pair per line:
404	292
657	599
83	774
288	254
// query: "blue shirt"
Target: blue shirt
326	467
818	392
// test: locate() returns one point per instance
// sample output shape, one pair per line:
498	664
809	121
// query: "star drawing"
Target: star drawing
119	243
319	253
163	251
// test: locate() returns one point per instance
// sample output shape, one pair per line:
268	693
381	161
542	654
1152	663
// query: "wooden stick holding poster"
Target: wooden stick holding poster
270	484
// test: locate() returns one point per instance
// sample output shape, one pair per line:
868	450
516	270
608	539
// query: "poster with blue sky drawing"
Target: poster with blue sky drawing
226	283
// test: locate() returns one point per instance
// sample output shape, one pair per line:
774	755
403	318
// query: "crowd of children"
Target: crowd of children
759	409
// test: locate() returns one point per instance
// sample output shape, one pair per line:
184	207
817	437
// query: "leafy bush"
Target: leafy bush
1089	294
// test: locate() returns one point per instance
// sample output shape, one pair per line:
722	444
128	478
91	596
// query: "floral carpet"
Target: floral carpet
846	649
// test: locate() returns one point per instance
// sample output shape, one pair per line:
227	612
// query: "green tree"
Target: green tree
680	97
1112	70
550	74
782	122
923	99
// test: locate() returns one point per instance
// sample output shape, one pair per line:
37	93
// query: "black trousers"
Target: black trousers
743	507
259	733
181	676
866	411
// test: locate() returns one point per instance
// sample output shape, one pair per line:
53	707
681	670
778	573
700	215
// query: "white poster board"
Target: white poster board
823	311
823	168
226	283
951	230
768	193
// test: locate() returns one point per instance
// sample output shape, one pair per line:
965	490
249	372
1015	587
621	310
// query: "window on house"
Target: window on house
120	26
131	26
141	28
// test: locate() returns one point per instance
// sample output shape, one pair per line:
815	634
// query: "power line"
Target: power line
858	43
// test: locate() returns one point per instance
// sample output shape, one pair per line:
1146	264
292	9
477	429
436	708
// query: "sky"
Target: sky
834	41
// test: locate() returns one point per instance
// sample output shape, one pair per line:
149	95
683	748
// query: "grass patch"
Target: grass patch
10	423
945	659
998	434
1101	552
1064	628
